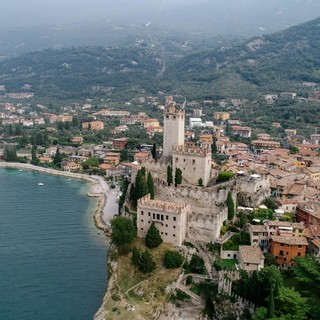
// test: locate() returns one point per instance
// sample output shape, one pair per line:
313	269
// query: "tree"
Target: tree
34	159
141	187
150	185
146	264
123	233
230	205
196	265
270	203
291	305
89	163
124	155
178	177
57	158
153	238
136	255
172	259
154	151
169	175
200	183
10	152
225	176
133	198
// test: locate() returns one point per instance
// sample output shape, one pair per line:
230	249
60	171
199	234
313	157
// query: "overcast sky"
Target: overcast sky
35	12
38	12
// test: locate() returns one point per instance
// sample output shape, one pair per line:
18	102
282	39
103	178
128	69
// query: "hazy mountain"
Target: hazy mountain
269	63
279	61
32	25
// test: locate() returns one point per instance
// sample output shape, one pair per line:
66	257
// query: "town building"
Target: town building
261	145
77	140
93	125
195	122
244	132
221	115
250	258
259	236
119	143
286	248
170	218
197	113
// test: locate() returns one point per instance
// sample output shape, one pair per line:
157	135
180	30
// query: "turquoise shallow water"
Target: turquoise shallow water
52	259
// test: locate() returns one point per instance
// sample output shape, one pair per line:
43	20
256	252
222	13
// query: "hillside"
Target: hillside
275	62
270	63
82	72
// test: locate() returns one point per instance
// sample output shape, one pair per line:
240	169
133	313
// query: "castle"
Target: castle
193	209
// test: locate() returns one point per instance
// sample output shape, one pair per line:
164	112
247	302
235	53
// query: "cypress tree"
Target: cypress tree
178	177
34	159
132	196
271	304
146	264
150	185
57	158
230	205
153	238
154	151
136	255
169	175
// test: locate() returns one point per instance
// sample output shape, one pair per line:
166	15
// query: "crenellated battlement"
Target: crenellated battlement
192	149
163	205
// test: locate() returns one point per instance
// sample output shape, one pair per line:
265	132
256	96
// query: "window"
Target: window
154	215
141	220
162	217
158	216
149	214
284	259
193	161
288	245
149	222
287	253
174	235
142	213
166	226
174	227
167	217
184	160
281	253
166	234
161	232
299	246
141	228
299	254
282	244
174	219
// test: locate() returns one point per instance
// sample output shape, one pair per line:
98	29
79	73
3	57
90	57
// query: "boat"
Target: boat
20	170
40	184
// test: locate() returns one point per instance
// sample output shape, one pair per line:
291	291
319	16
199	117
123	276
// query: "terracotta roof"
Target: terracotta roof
251	254
258	228
291	240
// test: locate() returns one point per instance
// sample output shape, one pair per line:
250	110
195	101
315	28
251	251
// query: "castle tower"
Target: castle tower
173	134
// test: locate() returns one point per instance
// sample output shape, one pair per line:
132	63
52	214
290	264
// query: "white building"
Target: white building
169	217
195	122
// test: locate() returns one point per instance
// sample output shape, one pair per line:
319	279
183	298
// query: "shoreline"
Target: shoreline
98	188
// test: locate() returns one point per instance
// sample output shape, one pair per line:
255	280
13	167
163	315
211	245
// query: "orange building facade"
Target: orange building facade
286	248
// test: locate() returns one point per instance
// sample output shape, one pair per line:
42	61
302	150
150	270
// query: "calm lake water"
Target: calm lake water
52	258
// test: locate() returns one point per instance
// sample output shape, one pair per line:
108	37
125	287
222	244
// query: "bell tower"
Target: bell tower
173	134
